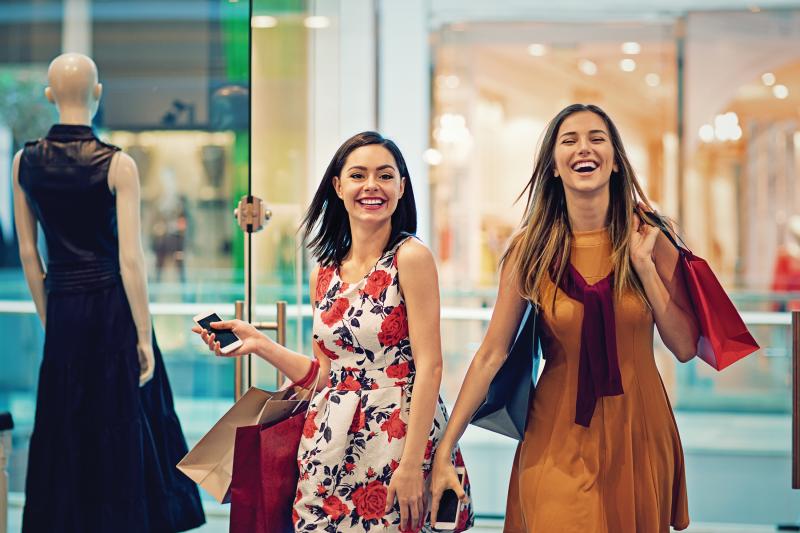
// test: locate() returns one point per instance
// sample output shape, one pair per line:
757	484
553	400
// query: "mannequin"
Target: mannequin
786	274
73	77
104	405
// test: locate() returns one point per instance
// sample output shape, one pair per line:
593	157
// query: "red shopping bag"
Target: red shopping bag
265	472
265	476
724	339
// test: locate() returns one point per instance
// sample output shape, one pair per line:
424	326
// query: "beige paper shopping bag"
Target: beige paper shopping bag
210	462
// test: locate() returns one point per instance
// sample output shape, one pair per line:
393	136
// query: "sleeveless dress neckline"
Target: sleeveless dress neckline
338	270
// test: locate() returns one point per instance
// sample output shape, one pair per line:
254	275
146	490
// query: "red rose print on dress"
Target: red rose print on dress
330	354
359	421
335	508
376	282
370	500
310	428
394	327
349	383
323	282
336	312
398	371
394	427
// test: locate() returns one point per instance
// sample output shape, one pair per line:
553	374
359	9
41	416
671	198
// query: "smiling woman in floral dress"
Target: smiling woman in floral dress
368	440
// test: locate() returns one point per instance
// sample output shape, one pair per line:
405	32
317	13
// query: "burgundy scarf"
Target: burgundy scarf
598	370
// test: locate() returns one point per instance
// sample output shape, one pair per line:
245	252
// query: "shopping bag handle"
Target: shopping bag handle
314	365
653	219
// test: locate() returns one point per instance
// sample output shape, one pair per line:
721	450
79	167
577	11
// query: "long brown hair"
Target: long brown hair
541	248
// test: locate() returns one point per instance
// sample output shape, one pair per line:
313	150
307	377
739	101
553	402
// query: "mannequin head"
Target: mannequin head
73	88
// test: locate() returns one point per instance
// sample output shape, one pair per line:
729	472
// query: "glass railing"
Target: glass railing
757	387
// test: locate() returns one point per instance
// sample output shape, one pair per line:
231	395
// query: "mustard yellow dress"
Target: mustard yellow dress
625	472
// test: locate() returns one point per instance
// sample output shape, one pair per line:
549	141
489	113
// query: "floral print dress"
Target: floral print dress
355	431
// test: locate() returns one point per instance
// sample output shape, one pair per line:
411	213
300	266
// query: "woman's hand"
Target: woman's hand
444	477
408	486
643	242
252	340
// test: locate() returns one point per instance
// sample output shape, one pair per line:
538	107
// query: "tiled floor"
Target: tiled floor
218	523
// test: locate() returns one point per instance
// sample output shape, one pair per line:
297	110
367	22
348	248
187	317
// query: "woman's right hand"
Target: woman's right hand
444	477
252	340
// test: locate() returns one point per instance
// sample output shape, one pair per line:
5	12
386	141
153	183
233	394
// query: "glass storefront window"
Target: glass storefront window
175	78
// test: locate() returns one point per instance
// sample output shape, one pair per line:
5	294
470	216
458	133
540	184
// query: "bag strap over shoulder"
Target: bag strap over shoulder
654	219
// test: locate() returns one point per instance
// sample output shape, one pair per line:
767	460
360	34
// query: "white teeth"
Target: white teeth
371	201
584	166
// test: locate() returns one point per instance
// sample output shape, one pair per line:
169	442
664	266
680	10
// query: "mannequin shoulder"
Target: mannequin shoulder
122	171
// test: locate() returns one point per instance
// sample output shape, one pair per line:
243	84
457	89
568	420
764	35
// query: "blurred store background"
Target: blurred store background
213	98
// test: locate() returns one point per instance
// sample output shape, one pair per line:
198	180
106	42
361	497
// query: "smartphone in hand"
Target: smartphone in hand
228	342
450	505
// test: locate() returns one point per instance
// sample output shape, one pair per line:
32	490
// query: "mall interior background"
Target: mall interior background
706	94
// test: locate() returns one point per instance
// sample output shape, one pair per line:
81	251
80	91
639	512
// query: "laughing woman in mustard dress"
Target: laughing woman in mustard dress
601	452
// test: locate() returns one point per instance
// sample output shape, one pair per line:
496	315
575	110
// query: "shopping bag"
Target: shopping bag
505	409
265	470
265	476
210	462
724	338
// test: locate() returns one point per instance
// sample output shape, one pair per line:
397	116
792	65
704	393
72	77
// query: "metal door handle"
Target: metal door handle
243	377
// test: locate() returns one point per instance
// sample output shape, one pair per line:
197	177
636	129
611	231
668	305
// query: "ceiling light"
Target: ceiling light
780	91
316	22
628	65
652	79
432	156
537	50
631	48
706	133
263	21
587	67
768	79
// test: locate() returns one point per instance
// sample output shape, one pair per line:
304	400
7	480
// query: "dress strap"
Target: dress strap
399	241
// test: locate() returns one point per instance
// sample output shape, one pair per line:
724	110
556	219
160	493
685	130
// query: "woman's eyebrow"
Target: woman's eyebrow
382	167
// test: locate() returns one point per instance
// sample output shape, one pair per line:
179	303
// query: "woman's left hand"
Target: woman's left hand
643	242
408	486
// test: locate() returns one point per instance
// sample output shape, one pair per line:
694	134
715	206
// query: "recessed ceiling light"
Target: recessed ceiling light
652	79
587	67
537	49
768	79
780	91
628	65
706	133
631	48
316	22
263	21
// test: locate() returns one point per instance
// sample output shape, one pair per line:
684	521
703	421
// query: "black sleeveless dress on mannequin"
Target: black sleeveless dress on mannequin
103	450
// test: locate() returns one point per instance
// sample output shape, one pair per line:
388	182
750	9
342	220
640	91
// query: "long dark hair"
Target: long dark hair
326	218
541	249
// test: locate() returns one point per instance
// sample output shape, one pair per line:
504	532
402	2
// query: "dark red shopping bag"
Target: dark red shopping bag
265	476
724	339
